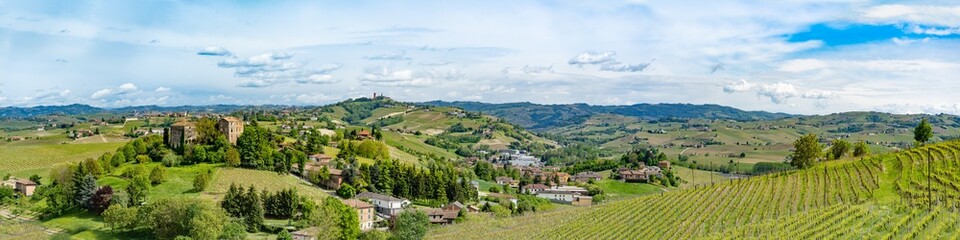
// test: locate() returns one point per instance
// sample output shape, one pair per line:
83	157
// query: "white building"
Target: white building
386	205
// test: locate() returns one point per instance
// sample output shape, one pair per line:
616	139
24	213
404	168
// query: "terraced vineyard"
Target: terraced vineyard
941	160
692	213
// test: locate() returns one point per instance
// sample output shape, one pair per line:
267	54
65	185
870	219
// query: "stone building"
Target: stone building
231	127
180	133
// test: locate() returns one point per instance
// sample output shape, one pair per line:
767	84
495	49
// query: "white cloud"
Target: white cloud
777	92
162	89
123	89
50	94
214	51
270	69
592	58
101	93
918	14
617	67
738	86
316	98
907	41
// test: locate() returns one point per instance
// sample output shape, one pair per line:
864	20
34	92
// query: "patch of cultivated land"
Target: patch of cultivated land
19	157
261	180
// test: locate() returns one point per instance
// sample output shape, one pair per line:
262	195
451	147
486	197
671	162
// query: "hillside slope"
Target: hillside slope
815	197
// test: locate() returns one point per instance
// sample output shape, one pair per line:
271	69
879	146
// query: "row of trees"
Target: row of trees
439	182
807	149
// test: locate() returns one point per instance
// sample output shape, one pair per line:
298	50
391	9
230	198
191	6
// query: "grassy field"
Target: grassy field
24	160
617	190
261	180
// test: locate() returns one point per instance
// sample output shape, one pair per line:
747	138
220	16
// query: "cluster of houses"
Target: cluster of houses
643	174
23	186
517	158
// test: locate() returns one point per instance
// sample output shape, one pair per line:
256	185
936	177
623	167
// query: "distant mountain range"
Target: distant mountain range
542	116
81	109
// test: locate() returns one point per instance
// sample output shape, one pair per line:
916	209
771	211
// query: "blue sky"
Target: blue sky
798	56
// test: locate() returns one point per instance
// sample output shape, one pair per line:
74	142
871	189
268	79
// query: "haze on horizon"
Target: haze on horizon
808	57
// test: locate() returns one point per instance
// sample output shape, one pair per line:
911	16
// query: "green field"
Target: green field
614	189
271	181
25	160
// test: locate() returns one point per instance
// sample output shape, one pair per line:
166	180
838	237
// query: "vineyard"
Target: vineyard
832	200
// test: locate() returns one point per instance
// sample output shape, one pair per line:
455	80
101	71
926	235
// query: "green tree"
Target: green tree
346	191
84	186
232	157
839	148
207	131
120	218
171	159
861	149
923	132
158	175
137	190
255	147
201	181
807	150
118	159
35	178
411	225
284	235
92	167
233	231
194	217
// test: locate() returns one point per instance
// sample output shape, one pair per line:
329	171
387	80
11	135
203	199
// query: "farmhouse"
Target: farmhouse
586	177
365	211
322	159
22	186
231	127
566	197
642	175
386	205
442	216
336	178
181	133
534	188
364	134
508	181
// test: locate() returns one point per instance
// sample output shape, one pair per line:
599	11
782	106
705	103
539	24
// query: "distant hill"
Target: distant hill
81	109
543	117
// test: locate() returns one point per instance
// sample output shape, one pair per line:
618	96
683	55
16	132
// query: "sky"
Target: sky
794	56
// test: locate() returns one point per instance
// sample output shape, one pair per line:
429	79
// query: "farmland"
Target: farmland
881	197
261	180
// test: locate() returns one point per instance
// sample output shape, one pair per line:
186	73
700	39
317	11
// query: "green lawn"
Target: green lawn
616	189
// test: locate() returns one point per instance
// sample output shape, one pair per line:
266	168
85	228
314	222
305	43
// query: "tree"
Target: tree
375	235
84	186
255	147
193	217
233	231
254	219
232	157
807	151
861	149
171	159
284	235
411	225
201	181
137	190
839	148
120	218
101	199
92	167
923	132
346	191
118	159
158	175
35	178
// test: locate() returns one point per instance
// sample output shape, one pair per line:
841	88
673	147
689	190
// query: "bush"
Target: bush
158	175
201	181
346	191
171	160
